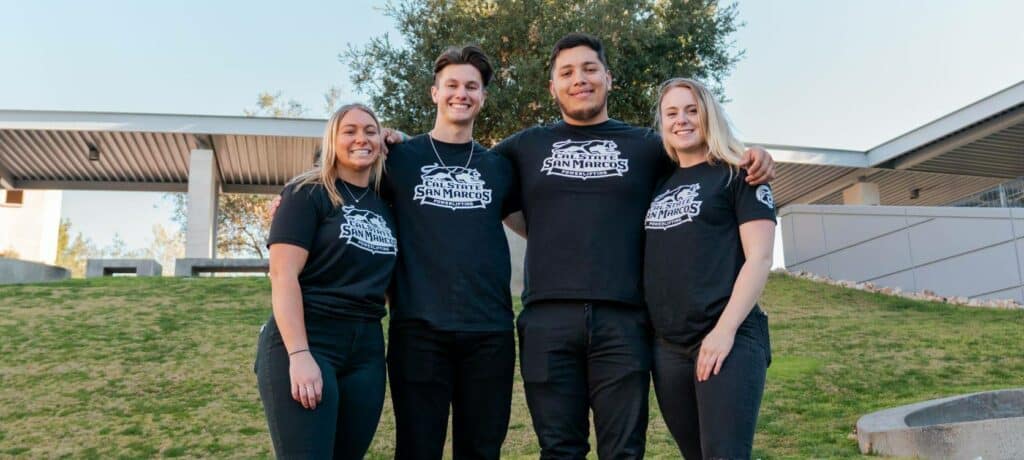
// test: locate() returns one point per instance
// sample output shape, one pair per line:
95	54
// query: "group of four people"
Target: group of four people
629	232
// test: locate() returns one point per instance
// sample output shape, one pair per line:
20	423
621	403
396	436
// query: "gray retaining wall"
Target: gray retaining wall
193	266
13	271
970	252
109	267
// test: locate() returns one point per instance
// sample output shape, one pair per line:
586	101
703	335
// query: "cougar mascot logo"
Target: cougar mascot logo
585	160
764	195
368	231
452	187
674	207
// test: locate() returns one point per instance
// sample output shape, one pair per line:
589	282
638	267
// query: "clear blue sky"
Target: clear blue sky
843	74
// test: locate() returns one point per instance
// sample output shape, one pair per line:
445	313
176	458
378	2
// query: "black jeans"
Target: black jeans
431	370
716	418
350	354
582	356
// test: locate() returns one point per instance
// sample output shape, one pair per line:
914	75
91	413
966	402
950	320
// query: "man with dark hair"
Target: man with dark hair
469	55
451	340
573	40
585	184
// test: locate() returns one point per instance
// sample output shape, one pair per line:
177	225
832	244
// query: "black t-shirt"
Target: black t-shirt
453	270
694	252
352	249
585	191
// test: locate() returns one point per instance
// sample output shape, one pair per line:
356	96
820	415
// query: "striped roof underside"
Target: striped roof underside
41	150
1000	154
38	157
934	189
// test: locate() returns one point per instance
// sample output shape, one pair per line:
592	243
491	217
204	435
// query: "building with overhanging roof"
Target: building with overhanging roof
971	150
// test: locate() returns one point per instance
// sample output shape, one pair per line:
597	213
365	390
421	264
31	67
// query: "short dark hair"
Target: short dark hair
574	39
469	54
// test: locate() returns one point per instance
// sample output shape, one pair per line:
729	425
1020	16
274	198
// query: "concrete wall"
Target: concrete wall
13	271
969	252
31	228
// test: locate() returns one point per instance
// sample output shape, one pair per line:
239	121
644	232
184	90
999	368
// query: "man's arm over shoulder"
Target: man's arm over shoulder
759	164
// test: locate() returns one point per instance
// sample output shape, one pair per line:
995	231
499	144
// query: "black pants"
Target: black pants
431	370
582	356
350	354
716	418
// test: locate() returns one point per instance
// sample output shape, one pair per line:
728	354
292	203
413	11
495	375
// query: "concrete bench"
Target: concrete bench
108	267
14	271
195	266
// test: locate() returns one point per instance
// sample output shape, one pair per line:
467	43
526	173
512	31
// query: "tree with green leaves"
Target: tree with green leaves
243	222
274	105
165	246
647	41
72	252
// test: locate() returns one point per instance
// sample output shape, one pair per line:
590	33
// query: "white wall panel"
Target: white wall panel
817	266
880	256
808	237
1016	293
845	230
1018	232
30	229
903	280
941	238
978	272
788	242
951	251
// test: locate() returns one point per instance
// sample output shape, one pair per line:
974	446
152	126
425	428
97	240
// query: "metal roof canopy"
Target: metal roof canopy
962	153
150	152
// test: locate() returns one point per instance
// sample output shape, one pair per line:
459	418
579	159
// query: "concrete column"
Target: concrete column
862	193
203	188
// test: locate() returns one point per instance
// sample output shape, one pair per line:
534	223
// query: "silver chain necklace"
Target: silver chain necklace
431	137
353	195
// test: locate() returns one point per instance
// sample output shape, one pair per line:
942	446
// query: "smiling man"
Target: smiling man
451	341
585	185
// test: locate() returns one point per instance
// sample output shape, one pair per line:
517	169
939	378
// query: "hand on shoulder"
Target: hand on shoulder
759	165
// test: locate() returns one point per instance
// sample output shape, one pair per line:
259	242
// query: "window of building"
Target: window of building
1009	194
14	197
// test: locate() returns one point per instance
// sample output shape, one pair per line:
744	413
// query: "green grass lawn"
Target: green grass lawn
123	367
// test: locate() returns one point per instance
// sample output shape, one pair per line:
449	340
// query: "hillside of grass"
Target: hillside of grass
154	367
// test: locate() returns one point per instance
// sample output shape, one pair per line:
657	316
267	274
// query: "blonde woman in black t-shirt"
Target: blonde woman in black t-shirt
709	239
320	358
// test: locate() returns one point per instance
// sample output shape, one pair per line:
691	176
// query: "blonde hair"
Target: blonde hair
323	172
714	127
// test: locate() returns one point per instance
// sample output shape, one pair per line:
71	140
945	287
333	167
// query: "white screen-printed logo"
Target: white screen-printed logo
764	195
368	231
452	187
585	160
674	207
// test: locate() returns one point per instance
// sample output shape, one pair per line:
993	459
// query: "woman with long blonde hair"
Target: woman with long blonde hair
709	239
320	358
